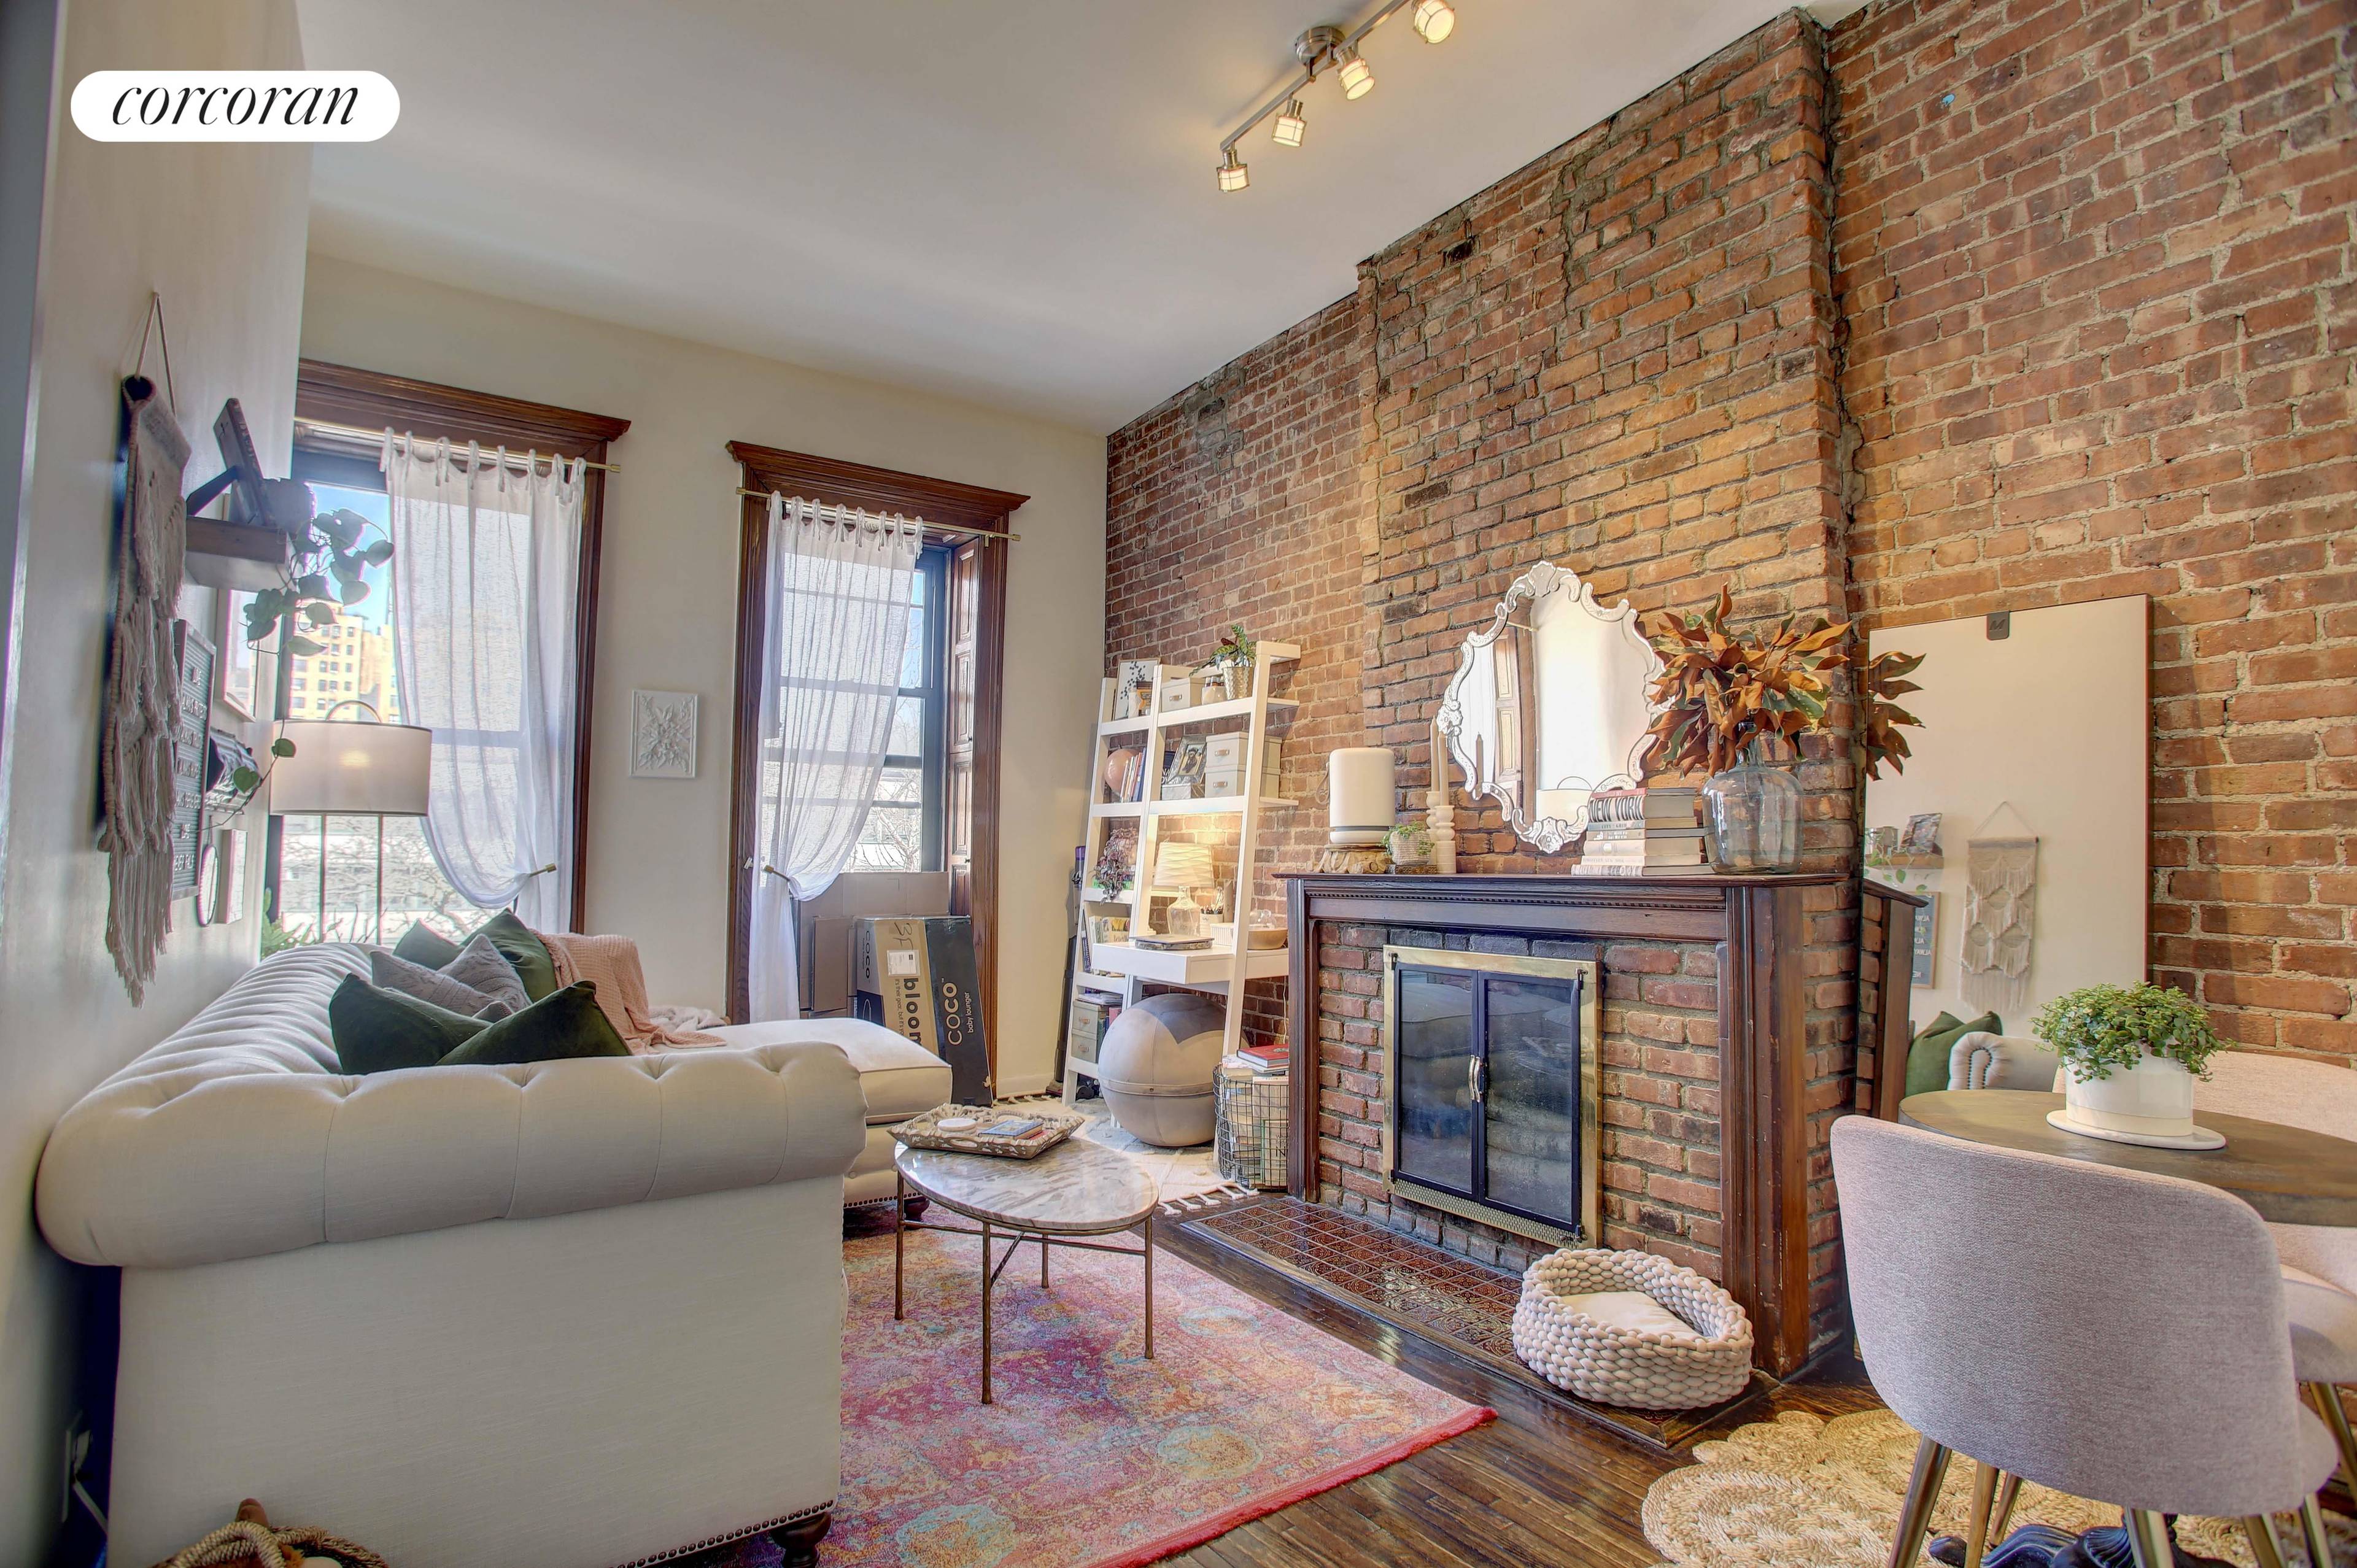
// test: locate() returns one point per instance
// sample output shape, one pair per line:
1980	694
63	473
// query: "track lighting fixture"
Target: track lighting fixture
1328	48
1358	78
1291	126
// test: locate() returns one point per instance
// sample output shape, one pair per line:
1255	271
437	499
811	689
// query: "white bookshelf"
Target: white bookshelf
1124	969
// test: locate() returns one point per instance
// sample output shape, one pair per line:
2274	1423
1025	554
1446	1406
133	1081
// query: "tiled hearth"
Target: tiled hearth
1466	1306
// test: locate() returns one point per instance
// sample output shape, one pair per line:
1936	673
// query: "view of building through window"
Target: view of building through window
355	665
902	831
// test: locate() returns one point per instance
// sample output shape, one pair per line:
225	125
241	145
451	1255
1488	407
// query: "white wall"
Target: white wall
658	848
2052	722
218	230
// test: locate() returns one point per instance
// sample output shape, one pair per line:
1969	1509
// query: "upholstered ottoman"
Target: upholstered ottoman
898	1079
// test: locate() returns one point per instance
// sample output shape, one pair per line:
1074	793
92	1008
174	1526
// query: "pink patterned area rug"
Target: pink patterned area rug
1094	1456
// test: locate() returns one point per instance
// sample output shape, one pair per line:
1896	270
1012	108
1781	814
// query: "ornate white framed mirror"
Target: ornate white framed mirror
1549	704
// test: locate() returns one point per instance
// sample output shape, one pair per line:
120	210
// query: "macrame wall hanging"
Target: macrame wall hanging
2000	907
143	676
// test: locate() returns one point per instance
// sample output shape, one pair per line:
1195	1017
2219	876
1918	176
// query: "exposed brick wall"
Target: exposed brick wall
1246	499
2098	279
1620	359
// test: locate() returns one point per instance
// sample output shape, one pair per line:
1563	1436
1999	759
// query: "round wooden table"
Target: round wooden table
2291	1175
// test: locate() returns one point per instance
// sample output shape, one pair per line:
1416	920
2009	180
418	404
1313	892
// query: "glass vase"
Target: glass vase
1752	813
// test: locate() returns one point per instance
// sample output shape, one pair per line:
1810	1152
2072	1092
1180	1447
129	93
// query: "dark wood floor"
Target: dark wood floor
1538	1488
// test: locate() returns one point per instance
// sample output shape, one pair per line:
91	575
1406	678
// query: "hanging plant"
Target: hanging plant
1879	681
1717	693
332	551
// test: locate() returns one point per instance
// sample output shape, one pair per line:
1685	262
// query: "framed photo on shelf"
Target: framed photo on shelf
237	669
1183	769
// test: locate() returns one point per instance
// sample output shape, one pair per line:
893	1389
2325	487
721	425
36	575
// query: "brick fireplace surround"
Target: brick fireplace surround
1957	307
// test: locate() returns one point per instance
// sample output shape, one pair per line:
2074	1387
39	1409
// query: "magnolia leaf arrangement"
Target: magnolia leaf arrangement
1717	693
1880	680
2098	1028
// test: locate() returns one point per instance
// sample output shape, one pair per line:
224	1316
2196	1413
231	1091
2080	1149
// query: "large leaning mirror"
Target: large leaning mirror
1549	704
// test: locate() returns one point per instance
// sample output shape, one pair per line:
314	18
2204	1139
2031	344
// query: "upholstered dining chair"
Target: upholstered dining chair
2319	1261
2123	1374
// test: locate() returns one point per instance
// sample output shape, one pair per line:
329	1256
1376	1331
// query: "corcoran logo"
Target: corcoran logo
235	105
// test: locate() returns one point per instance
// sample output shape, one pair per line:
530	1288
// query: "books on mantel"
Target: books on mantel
1643	833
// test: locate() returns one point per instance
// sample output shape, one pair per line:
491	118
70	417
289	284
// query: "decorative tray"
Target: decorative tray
925	1132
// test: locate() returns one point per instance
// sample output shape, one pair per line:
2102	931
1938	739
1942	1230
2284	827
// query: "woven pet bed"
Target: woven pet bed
1612	1364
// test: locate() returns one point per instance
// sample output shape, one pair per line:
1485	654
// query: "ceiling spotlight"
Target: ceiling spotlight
1358	75
1291	126
1329	46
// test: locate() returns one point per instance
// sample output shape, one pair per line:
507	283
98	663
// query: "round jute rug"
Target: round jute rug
1804	1492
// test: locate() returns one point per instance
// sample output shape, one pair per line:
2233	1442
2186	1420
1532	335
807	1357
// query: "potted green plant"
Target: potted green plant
2130	1055
1232	659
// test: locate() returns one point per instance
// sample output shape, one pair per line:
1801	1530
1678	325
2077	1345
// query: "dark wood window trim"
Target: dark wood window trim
370	399
974	890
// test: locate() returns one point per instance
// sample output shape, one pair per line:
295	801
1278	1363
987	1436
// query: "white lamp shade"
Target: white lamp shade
1182	866
352	770
1360	802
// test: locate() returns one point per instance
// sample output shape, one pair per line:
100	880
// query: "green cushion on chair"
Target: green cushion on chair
377	1030
1927	1057
526	951
562	1024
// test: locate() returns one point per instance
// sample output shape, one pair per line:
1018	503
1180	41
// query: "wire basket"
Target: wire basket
1251	1142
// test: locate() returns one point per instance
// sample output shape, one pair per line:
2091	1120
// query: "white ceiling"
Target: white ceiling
1009	202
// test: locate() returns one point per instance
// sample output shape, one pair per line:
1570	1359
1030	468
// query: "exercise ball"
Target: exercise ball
1157	1064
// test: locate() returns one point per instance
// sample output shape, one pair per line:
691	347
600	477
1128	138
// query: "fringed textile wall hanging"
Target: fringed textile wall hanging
143	686
2000	907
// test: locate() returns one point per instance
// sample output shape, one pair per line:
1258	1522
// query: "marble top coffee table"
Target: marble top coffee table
1075	1190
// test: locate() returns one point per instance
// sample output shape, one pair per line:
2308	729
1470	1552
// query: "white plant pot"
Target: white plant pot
2154	1098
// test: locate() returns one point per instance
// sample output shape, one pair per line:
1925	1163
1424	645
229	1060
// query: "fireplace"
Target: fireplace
1719	1014
1492	1060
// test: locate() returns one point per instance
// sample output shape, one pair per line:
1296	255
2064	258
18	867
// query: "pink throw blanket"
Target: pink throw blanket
611	964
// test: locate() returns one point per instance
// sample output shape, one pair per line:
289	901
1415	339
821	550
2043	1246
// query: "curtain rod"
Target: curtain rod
935	527
326	427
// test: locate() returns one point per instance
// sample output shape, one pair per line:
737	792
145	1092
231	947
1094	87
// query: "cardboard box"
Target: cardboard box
1224	766
826	923
918	978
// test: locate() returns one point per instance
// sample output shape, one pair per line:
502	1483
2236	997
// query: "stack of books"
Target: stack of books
1643	833
1270	1061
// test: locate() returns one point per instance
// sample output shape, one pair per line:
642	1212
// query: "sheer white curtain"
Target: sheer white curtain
837	613
485	568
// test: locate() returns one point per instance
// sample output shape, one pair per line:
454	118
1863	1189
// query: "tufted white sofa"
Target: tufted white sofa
562	1315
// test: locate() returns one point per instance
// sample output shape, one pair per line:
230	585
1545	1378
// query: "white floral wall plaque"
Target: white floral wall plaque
662	734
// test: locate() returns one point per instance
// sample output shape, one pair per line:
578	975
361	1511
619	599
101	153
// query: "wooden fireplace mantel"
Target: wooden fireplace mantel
1759	927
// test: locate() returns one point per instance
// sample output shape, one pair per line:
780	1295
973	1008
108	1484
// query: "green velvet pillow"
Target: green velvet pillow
1927	1057
526	951
421	944
376	1030
562	1024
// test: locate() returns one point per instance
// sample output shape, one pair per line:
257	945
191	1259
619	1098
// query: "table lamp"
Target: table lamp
344	769
1181	868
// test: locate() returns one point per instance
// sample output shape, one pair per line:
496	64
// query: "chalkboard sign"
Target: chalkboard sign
190	744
